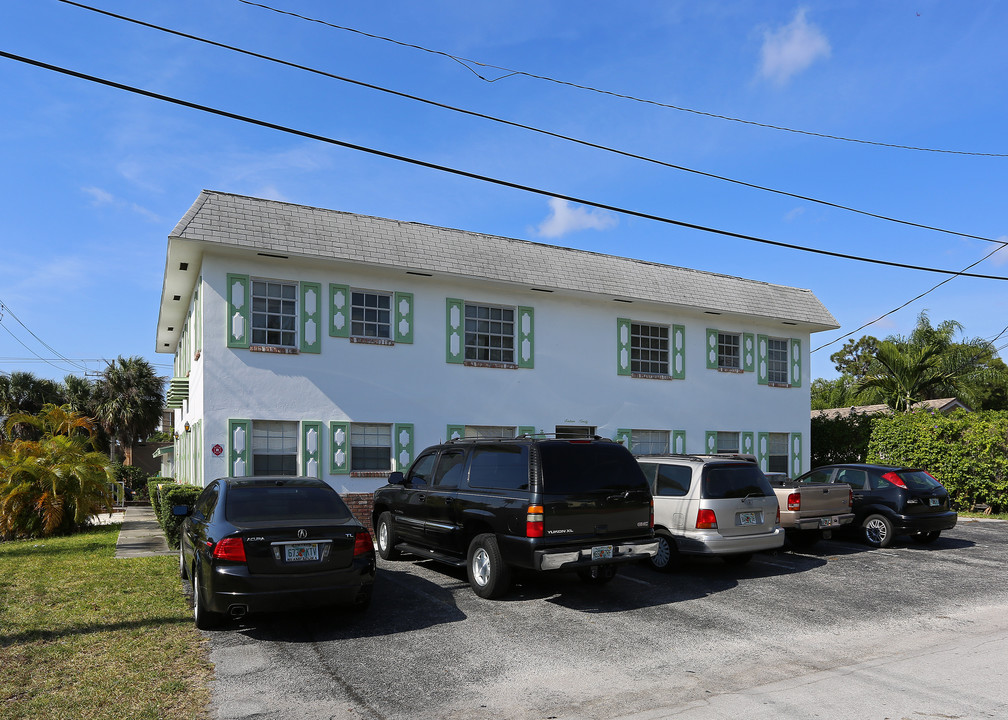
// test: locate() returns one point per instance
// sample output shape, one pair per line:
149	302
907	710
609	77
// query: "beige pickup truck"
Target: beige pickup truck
810	511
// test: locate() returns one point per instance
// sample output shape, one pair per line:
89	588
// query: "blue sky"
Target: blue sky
95	178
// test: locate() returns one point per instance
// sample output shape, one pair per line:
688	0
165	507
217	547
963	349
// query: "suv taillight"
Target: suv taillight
778	515
232	549
894	479
534	521
706	520
363	544
651	523
793	502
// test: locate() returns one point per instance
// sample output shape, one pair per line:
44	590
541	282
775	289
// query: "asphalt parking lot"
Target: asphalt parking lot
840	630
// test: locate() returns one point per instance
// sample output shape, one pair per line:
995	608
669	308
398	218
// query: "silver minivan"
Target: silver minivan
710	505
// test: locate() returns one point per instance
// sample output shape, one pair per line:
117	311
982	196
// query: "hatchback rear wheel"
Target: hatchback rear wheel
878	531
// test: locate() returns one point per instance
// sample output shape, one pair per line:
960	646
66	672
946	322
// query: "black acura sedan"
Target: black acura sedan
272	544
891	500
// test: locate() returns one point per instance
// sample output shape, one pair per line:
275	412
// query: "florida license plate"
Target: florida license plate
934	502
602	552
825	522
301	553
747	518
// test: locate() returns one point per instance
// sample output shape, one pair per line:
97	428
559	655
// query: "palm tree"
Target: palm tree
23	392
902	376
129	402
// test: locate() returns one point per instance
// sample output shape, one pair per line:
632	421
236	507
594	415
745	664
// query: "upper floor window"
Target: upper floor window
274	313
649	349
777	360
489	333
729	351
371	314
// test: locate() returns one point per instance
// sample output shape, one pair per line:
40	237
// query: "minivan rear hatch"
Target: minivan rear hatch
741	498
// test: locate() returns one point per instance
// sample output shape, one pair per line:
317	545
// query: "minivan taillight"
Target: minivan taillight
534	521
232	549
363	544
793	501
894	479
706	520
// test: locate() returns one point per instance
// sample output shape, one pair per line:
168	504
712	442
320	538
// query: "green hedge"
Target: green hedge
176	495
155	495
839	440
966	452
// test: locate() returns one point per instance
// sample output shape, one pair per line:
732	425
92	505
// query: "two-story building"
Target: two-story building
316	342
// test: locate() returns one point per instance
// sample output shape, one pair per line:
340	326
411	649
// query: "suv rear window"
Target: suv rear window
250	504
733	481
501	467
573	467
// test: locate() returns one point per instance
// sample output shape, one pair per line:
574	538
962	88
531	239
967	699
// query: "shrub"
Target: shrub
839	440
176	495
134	478
965	452
155	494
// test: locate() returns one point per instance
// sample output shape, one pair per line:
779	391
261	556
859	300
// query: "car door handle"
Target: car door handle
421	498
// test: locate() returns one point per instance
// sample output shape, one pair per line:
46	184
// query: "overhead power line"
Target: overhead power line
523	126
484	178
509	72
5	309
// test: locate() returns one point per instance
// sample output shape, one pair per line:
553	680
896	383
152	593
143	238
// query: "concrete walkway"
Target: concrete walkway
141	534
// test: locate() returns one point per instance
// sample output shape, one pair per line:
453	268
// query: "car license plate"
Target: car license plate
934	502
602	552
825	522
747	518
301	553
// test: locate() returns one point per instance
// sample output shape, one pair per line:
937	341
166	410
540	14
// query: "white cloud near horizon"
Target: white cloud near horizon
791	49
565	218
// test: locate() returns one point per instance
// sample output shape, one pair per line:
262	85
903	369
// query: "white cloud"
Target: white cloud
1001	256
565	218
101	198
794	214
791	49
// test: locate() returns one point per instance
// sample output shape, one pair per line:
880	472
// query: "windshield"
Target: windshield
572	467
734	481
250	504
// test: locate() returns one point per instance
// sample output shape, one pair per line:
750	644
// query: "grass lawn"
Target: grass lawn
83	635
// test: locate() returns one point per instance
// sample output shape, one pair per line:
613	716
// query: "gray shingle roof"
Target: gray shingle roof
237	221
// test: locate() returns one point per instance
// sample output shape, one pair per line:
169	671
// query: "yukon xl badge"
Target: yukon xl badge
559	532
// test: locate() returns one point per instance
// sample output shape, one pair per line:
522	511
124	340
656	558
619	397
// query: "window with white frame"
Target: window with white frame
777	360
274	313
649	442
489	432
777	453
649	348
370	447
489	333
729	351
371	314
727	442
274	447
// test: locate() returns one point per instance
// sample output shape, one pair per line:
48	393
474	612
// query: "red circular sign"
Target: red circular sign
217	450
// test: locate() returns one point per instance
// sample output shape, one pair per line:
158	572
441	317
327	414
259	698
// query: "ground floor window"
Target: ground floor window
727	442
571	432
649	442
777	453
274	447
370	447
489	432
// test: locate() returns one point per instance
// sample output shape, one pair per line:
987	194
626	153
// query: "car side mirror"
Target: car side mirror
396	478
181	510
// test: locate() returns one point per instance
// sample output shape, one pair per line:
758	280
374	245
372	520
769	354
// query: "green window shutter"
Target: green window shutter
678	442
762	368
796	454
526	430
623	346
678	365
455	432
712	348
710	442
748	444
795	362
339	448
239	448
763	450
526	337
748	352
238	303
339	310
403	446
311	449
454	331
403	317
311	317
623	436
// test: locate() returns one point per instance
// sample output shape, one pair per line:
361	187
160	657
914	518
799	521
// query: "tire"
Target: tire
597	574
738	560
385	537
926	538
803	539
668	558
181	562
878	531
205	620
488	575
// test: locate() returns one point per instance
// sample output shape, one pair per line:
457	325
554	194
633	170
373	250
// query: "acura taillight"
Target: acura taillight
534	521
894	479
793	502
363	544
232	549
706	520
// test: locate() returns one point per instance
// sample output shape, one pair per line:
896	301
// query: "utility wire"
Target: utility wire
467	63
522	126
46	345
20	342
484	178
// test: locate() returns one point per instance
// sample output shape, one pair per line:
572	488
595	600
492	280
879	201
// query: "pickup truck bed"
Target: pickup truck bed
811	511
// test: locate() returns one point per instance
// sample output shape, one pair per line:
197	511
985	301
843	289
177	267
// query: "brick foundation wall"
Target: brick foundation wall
361	505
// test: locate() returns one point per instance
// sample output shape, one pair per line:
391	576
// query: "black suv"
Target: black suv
537	504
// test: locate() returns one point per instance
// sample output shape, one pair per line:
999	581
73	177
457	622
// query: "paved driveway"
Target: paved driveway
910	631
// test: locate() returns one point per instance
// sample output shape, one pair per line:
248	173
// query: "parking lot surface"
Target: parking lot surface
840	630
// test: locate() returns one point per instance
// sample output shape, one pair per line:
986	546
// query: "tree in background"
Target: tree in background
22	392
855	357
129	401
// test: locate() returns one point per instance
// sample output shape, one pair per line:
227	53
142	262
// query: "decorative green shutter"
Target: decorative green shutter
678	348
526	337
454	330
239	448
311	317
748	352
526	430
455	432
339	448
339	310
710	442
748	444
712	349
239	301
678	442
623	435
795	362
623	346
763	450
796	454
311	449
403	317
762	363
403	444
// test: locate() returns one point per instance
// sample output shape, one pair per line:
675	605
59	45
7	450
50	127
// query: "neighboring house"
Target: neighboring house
337	345
943	405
